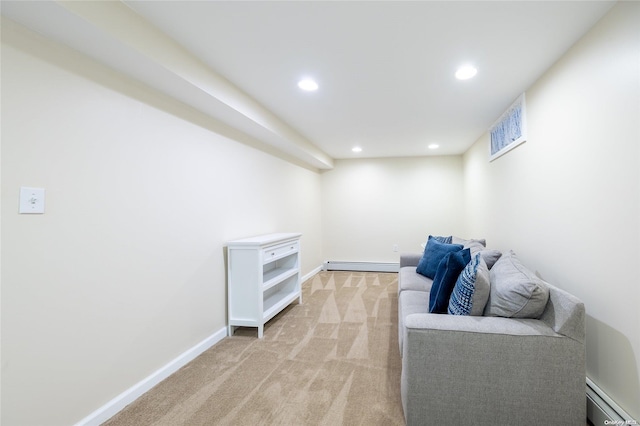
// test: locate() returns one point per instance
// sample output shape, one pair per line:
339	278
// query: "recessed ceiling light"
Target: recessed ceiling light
434	146
308	84
356	149
466	72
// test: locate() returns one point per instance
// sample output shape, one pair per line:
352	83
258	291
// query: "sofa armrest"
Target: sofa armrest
485	370
410	259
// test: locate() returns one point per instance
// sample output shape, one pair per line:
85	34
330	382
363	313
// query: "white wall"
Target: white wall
125	270
368	205
568	200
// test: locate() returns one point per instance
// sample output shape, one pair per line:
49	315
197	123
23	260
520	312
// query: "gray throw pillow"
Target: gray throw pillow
515	291
490	257
474	245
483	288
467	243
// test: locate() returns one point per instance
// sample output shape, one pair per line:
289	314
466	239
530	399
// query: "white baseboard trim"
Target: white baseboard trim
114	406
311	274
332	265
602	410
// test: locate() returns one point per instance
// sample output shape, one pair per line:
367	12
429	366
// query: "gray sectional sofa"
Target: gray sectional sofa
497	366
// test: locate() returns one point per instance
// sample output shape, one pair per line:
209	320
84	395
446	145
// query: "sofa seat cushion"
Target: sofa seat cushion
410	302
409	279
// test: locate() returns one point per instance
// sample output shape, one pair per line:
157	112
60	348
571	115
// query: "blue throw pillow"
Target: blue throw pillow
446	240
434	252
445	279
461	300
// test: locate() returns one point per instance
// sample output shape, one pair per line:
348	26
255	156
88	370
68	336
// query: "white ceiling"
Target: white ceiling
385	68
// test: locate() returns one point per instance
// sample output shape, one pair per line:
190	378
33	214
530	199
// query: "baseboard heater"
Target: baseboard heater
332	265
602	410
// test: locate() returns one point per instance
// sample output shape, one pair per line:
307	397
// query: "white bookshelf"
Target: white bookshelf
264	277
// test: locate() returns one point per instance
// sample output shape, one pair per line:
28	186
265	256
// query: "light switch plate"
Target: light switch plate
31	200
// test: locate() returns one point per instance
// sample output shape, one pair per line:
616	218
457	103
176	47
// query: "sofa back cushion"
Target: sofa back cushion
516	292
433	254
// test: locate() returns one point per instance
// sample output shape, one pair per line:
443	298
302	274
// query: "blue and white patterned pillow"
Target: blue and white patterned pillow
461	300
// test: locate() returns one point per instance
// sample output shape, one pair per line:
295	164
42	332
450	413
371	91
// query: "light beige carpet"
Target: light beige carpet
333	360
